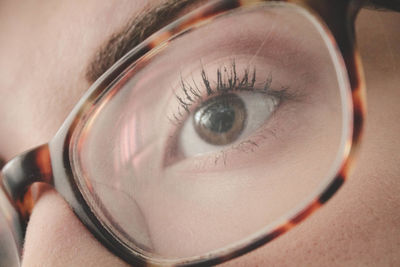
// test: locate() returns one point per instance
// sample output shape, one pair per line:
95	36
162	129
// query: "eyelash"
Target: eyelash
227	81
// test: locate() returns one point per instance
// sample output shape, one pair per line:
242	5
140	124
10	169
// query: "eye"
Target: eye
225	120
220	120
221	111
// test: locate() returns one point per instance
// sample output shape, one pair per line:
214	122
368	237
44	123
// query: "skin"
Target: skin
45	48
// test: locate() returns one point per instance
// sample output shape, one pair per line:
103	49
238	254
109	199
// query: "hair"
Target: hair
384	4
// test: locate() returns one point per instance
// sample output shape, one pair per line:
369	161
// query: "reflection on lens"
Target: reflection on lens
227	130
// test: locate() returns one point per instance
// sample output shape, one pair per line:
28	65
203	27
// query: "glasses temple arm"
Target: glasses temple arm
21	172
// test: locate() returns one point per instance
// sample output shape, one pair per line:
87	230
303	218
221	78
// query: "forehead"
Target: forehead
30	28
44	48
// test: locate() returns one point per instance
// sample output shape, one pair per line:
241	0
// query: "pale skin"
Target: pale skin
44	51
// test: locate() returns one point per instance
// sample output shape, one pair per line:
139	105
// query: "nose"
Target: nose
55	237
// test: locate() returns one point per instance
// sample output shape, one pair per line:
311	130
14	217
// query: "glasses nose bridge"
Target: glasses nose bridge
22	171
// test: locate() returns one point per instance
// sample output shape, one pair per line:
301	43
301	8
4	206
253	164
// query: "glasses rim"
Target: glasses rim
50	163
82	129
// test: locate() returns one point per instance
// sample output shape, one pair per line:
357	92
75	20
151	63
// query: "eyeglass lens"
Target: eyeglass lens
217	135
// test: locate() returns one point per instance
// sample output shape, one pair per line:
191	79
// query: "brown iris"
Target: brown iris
221	119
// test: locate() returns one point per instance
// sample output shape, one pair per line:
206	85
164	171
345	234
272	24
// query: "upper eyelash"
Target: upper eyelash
227	81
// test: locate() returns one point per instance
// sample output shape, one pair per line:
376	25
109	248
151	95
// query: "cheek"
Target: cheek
360	226
55	237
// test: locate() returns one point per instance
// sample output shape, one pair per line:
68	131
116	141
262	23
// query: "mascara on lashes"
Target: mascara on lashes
228	81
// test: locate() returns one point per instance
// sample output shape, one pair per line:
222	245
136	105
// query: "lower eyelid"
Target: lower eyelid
246	152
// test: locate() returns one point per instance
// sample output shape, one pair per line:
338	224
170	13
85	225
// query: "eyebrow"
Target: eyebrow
134	32
149	21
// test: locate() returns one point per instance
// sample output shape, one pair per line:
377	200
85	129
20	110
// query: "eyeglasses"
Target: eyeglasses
216	135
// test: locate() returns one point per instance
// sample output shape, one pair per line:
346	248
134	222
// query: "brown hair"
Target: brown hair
384	4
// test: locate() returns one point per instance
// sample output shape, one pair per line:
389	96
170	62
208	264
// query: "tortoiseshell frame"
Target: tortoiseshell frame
50	163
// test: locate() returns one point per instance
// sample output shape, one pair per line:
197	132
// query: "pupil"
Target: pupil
219	117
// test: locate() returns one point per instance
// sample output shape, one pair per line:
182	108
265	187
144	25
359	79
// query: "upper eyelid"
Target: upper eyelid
191	94
185	107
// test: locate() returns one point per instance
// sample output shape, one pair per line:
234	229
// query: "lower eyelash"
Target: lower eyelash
246	146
